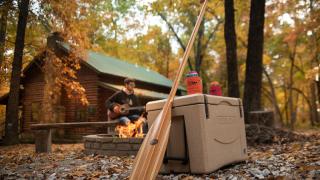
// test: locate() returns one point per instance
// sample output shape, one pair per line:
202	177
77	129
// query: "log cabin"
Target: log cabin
100	75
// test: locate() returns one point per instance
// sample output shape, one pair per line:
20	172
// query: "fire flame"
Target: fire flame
132	129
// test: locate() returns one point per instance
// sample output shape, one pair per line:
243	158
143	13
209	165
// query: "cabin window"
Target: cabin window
81	114
91	110
35	111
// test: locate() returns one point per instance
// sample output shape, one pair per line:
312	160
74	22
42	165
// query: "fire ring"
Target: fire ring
111	145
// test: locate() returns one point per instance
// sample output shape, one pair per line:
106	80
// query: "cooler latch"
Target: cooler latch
240	108
206	106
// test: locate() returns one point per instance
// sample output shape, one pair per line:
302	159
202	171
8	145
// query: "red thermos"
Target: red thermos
215	89
194	83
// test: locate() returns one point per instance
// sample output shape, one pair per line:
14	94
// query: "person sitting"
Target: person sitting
125	97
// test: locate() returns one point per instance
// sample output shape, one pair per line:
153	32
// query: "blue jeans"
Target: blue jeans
126	119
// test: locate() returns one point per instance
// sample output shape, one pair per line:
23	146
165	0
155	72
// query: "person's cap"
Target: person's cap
129	80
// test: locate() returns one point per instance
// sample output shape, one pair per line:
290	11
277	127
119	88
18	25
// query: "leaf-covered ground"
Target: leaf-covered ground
298	159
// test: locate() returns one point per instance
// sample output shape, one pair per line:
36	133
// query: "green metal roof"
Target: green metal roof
110	65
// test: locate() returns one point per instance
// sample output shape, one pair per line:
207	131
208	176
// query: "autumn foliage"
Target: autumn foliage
154	34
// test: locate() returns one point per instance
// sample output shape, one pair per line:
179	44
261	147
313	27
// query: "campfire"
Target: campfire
131	129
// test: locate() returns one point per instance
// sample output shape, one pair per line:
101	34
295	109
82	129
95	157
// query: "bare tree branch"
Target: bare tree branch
45	23
164	18
303	95
274	97
211	35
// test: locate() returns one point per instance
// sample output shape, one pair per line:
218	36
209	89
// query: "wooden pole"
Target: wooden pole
150	156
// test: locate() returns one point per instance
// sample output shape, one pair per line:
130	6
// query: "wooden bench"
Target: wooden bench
43	137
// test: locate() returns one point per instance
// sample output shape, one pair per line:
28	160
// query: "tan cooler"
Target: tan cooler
207	132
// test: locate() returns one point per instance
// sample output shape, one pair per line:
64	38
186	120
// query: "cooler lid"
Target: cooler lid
194	99
178	101
223	100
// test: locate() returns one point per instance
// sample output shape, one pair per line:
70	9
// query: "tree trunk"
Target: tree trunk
167	66
231	49
290	100
253	82
291	82
294	113
285	109
3	29
313	99
198	49
316	46
11	128
278	117
318	94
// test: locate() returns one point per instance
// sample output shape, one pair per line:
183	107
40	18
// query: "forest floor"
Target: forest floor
277	155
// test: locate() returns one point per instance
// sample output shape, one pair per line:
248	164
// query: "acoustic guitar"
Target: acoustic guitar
124	109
